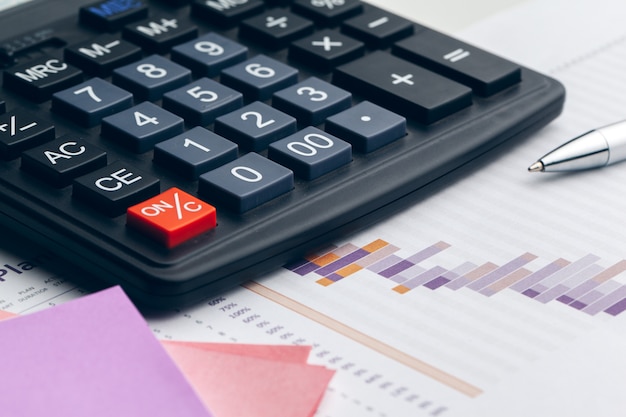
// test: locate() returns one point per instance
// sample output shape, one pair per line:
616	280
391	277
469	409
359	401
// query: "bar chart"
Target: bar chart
581	284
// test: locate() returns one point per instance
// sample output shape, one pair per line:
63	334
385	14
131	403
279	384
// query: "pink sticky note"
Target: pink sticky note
6	315
94	357
243	386
285	353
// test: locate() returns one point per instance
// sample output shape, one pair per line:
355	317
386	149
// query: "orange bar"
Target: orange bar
325	259
401	289
325	282
348	270
375	245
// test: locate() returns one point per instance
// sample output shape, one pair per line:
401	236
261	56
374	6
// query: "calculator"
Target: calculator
180	148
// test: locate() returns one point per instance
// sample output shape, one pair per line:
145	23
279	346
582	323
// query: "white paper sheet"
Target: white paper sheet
406	342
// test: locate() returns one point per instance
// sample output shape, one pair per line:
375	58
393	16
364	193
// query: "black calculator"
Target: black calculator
179	148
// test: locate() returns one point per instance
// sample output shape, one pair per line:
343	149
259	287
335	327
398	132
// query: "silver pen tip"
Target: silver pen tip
536	167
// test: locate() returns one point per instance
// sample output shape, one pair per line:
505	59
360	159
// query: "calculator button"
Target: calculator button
114	188
327	12
255	126
377	28
151	77
172	217
276	28
194	152
87	103
367	126
20	130
326	49
246	182
259	77
202	101
64	159
105	16
209	54
141	127
312	100
101	55
403	87
159	35
41	77
225	13
485	73
311	153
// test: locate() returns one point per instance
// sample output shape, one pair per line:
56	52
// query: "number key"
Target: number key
202	101
259	77
87	103
312	100
194	152
311	153
255	126
151	77
246	183
209	54
141	127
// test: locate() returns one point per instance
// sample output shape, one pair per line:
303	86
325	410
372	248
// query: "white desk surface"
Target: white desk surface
445	15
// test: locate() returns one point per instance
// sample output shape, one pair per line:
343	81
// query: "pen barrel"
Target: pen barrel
615	136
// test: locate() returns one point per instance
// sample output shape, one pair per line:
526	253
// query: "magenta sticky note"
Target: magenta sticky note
94	357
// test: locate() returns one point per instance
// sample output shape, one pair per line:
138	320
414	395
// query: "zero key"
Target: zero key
485	73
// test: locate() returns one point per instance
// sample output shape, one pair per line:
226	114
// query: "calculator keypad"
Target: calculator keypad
203	137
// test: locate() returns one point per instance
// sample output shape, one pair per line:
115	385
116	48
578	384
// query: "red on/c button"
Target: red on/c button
172	217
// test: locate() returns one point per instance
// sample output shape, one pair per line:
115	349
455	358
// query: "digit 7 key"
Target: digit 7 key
172	217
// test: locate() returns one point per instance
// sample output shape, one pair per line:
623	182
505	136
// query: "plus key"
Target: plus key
403	87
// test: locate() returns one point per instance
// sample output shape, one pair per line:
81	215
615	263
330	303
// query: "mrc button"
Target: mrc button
40	78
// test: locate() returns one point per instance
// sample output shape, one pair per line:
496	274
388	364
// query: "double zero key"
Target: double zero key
403	87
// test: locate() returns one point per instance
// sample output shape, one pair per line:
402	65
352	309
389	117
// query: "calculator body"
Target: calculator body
244	245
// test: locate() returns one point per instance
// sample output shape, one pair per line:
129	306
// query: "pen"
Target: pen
594	149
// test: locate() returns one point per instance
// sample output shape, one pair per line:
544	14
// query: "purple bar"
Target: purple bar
504	270
539	275
564	287
614	293
396	269
565	299
425	277
293	266
617	308
341	262
472	275
603	276
551	294
384	263
578	305
569	270
378	255
437	282
587	299
530	293
334	277
428	252
307	268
